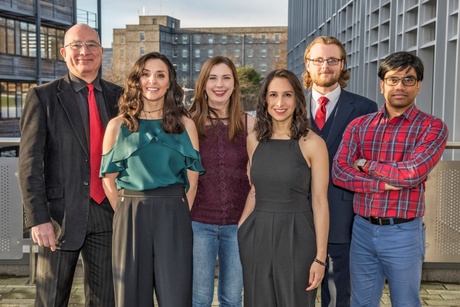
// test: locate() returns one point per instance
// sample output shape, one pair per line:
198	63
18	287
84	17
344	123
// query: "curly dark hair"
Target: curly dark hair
264	125
200	109
130	103
326	40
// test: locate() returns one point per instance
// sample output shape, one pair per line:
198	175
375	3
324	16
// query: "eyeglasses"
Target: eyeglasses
90	46
330	61
407	81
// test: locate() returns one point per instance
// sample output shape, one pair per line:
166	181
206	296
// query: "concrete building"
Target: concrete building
262	48
25	25
372	29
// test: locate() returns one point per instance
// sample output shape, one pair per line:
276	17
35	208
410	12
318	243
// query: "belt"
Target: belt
385	221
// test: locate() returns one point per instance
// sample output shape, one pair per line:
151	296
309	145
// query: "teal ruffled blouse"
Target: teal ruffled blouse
151	158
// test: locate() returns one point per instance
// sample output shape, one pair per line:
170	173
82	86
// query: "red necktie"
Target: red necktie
320	117
96	134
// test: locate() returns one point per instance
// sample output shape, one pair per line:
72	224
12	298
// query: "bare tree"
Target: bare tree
281	56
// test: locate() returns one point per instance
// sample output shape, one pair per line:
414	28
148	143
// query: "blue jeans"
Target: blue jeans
391	252
210	242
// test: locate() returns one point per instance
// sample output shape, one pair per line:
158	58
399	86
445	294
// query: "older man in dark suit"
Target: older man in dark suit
62	125
331	110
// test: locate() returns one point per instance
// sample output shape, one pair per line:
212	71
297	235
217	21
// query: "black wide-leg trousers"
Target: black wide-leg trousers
152	248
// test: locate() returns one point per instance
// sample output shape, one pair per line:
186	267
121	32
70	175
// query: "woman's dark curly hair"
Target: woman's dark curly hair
264	125
130	103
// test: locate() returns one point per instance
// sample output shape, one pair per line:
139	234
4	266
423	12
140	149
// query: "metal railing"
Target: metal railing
441	218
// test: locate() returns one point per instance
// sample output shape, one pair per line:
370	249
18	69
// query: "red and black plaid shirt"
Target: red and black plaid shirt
400	152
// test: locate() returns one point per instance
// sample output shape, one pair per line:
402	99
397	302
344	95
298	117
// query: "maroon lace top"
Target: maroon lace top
222	191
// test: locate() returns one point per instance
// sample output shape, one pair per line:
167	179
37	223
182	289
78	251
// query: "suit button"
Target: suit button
85	182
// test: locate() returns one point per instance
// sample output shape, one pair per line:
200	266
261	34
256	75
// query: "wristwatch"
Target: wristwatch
361	163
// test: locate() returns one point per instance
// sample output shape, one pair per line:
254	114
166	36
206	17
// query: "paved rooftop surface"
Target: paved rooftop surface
17	292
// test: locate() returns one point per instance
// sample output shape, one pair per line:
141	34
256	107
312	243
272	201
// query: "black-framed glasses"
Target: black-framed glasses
330	61
407	81
90	46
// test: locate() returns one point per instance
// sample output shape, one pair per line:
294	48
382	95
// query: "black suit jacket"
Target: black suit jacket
350	106
53	164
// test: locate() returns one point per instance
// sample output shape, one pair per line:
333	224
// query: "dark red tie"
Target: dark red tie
320	117
96	134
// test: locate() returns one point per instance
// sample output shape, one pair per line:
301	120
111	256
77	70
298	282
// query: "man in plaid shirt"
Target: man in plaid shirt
385	158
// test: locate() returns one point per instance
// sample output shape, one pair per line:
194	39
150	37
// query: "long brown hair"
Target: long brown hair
326	40
200	108
264	124
130	103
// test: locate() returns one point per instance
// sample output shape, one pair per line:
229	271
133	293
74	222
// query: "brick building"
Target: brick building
262	48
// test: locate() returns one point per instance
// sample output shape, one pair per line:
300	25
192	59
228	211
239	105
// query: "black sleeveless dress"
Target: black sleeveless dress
277	241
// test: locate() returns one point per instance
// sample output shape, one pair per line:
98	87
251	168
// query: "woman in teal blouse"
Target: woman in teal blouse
150	169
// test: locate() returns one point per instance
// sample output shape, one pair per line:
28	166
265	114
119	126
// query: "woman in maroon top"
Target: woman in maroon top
222	191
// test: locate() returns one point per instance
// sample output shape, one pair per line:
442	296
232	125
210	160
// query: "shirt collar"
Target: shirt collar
79	84
409	114
332	96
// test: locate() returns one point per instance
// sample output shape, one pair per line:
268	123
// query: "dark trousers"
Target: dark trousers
55	270
152	248
335	287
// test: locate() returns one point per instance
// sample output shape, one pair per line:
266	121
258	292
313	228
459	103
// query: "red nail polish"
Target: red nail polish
309	284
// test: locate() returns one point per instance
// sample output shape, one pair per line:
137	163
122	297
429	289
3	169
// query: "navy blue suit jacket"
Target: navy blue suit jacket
349	107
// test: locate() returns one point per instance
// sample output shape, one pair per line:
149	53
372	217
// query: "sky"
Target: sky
191	13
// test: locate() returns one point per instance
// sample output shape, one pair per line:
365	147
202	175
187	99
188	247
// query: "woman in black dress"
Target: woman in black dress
284	226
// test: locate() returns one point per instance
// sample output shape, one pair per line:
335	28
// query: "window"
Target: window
236	39
155	21
210	53
237	53
263	53
250	39
263	67
197	39
175	53
277	38
197	67
184	67
28	40
211	39
18	37
175	39
122	40
184	53
184	39
12	95
142	36
224	39
142	50
250	53
197	53
264	39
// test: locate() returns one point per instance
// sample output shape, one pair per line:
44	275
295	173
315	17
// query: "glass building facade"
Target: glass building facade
31	35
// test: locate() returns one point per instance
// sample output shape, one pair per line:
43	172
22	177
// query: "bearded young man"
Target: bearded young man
326	77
